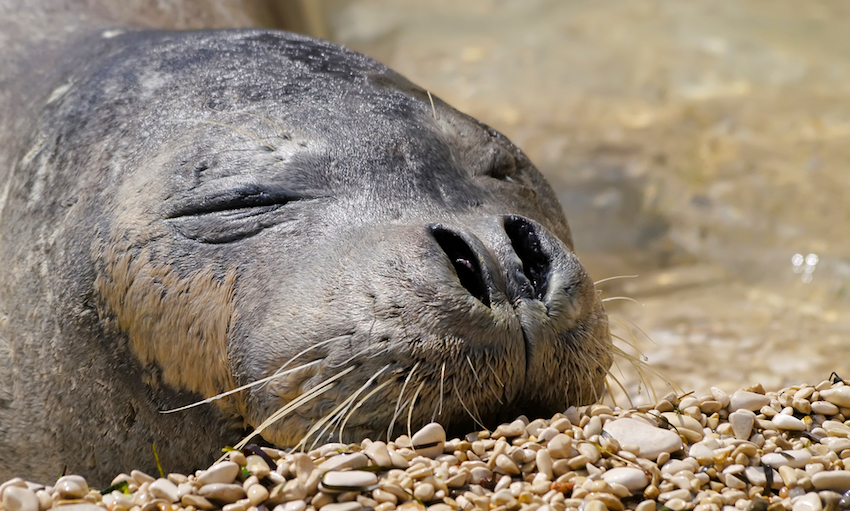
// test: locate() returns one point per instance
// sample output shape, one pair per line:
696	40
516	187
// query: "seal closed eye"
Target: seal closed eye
197	211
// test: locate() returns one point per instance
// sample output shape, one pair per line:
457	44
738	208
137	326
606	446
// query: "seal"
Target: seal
189	212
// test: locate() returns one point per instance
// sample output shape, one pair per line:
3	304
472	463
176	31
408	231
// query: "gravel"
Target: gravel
751	451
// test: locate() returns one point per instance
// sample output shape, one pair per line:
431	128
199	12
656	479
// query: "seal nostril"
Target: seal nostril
464	261
526	243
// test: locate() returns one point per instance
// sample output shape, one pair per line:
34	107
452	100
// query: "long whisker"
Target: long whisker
442	380
398	402
360	403
620	298
339	412
240	389
495	375
607	279
318	390
310	348
410	410
462	404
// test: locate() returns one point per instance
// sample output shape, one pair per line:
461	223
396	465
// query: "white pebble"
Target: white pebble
72	487
632	478
835	480
222	492
340	461
379	453
295	505
824	408
807	502
744	400
742	423
788	422
430	440
343	506
224	472
515	428
652	441
560	446
793	458
349	479
16	498
164	489
839	396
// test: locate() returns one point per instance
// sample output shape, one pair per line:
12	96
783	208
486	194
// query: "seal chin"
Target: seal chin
508	323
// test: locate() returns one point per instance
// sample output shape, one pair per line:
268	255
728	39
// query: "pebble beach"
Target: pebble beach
748	450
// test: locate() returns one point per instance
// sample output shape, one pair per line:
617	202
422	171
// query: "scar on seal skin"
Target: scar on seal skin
190	212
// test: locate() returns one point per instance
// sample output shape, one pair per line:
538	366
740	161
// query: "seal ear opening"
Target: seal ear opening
464	261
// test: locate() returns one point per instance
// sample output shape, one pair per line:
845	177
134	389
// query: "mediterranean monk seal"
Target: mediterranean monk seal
183	213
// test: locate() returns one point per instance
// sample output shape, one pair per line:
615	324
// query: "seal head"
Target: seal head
196	211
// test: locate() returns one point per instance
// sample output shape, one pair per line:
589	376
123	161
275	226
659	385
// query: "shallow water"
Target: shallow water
703	146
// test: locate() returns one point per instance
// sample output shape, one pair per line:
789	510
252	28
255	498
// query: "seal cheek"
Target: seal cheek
179	324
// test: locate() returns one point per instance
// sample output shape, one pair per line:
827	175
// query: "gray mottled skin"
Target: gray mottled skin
182	212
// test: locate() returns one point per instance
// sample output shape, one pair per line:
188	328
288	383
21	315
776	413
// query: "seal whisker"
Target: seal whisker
398	402
240	389
340	411
495	375
410	410
316	391
616	298
440	405
478	380
360	403
314	346
463	405
433	109
600	281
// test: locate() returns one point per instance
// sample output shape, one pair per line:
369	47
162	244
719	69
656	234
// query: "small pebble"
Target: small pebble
16	498
744	400
835	480
652	441
349	479
429	440
224	472
632	478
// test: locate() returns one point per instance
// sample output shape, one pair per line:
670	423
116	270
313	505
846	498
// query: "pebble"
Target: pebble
71	487
338	462
839	395
742	423
164	489
651	440
224	472
706	453
788	422
792	458
16	498
430	440
342	506
632	478
222	492
379	453
807	502
835	480
560	446
349	479
745	400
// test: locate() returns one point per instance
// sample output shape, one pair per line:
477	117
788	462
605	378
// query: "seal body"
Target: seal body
184	213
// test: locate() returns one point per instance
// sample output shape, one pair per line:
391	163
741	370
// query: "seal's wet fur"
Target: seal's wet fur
188	211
